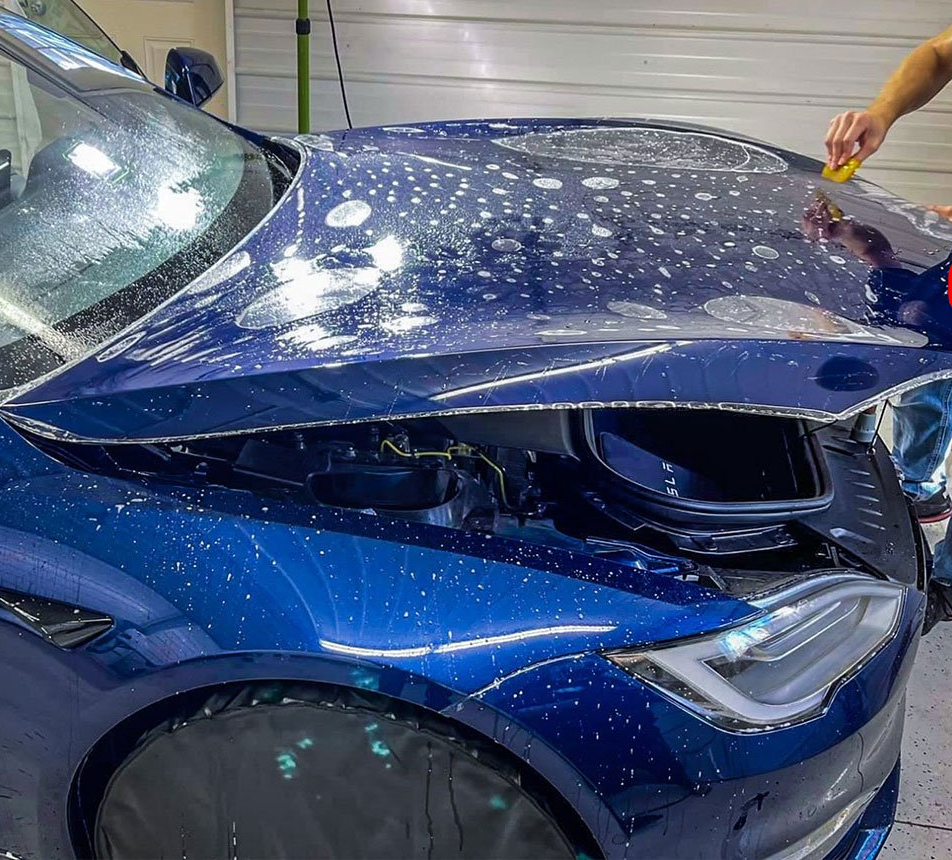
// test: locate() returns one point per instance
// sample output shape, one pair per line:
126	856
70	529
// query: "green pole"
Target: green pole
303	29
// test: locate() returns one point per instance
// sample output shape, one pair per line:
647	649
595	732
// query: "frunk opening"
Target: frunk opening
711	467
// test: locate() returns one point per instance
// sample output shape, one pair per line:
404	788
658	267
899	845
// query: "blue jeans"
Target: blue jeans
922	432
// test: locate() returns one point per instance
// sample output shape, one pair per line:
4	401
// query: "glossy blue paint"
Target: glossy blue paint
475	266
668	770
193	75
462	610
206	582
209	586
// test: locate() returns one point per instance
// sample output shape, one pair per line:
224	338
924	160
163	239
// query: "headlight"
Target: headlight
785	666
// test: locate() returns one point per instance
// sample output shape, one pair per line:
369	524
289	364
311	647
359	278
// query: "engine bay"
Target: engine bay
736	499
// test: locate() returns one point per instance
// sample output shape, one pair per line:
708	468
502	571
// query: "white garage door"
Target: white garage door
771	69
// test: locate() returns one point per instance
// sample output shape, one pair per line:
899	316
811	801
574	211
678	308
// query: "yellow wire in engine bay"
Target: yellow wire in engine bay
449	453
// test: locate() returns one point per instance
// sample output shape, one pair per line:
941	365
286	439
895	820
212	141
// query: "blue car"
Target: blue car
470	489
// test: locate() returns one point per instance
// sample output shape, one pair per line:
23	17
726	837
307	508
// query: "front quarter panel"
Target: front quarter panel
208	587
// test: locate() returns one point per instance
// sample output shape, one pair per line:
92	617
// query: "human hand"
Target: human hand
819	219
822	221
944	211
852	129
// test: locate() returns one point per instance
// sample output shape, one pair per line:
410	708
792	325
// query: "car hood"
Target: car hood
469	266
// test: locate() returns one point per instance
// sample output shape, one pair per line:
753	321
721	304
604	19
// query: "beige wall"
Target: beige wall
148	28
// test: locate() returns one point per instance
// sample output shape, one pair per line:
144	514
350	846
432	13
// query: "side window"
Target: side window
20	130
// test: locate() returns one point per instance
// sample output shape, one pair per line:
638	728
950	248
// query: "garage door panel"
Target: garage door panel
272	105
267	46
811	16
536	51
266	74
502	52
914	185
769	69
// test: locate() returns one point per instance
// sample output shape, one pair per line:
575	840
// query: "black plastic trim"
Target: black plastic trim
697	512
61	624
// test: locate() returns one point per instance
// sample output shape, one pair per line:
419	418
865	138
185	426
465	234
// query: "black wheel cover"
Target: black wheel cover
317	780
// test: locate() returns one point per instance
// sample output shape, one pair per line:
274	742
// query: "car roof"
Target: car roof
71	65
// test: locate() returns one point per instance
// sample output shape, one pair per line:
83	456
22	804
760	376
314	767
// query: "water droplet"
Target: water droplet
637	311
405	324
351	213
600	182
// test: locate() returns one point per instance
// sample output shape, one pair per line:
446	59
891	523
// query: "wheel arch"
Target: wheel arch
415	695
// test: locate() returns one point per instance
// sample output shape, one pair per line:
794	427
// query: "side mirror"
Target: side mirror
192	75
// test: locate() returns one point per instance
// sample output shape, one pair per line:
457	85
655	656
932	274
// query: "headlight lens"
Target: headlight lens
783	667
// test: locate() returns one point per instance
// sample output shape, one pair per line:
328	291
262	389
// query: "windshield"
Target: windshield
107	208
64	16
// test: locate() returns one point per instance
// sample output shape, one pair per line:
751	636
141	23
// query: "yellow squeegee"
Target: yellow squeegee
842	173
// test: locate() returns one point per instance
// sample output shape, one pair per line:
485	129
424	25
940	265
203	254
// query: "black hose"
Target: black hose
340	70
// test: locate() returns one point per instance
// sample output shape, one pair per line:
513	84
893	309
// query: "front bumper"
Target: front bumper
653	780
802	812
866	838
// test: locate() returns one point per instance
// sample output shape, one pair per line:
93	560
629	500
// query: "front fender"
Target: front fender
66	702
